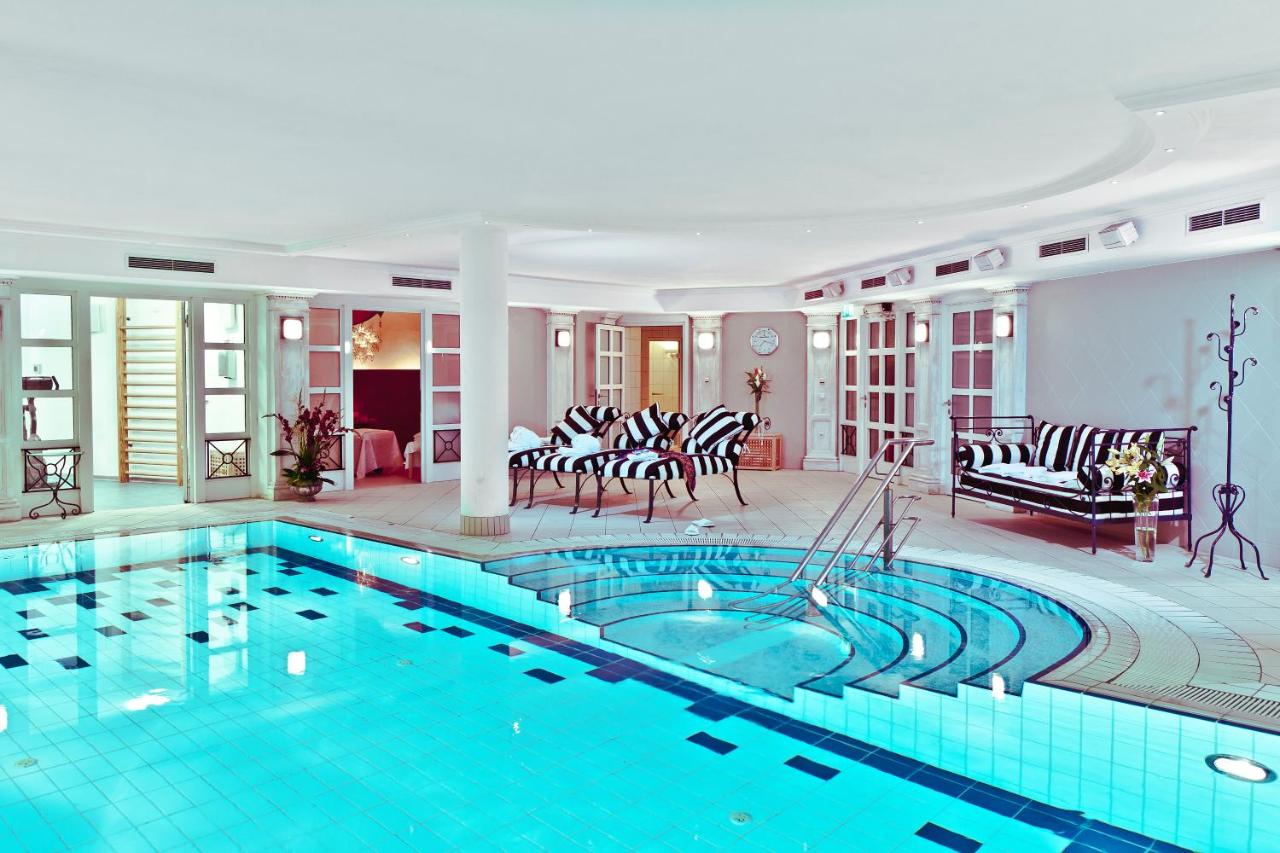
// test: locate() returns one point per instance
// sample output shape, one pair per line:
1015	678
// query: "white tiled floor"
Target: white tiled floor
1162	632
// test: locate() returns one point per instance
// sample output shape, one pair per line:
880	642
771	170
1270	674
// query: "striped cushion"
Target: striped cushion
671	424
1102	479
525	458
562	463
577	421
984	453
655	469
643	426
720	432
1085	438
1053	446
604	414
1106	440
706	464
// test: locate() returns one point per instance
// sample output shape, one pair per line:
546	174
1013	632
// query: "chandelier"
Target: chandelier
366	339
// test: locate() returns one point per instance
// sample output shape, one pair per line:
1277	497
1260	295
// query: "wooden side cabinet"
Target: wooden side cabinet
763	453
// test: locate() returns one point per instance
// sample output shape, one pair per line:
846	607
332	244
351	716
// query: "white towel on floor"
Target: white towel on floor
705	522
582	445
523	438
693	530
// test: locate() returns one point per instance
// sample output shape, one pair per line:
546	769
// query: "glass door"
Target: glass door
219	429
850	398
972	345
52	372
442	449
609	369
325	383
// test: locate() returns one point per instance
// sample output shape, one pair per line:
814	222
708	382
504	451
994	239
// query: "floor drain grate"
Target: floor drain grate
26	762
404	662
740	818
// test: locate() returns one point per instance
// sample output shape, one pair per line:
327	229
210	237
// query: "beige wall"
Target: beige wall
527	363
787	367
1128	349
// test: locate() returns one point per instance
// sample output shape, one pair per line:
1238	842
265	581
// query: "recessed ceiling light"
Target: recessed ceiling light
1025	206
1115	182
1159	112
1244	769
697	233
808	230
589	230
919	221
1168	150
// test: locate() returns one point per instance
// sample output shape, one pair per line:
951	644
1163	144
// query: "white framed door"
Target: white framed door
220	426
850	395
972	367
878	383
609	365
441	446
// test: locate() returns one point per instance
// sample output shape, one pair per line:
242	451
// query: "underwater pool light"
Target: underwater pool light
296	663
997	687
704	590
315	538
410	561
564	601
1238	767
917	646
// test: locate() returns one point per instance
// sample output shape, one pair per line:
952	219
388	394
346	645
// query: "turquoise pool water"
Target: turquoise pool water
266	685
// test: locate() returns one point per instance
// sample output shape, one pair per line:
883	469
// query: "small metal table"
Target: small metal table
52	470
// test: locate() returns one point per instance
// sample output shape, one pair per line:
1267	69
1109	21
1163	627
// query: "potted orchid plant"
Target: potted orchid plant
307	440
1139	469
758	385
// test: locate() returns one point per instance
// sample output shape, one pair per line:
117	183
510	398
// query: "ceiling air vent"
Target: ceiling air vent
421	283
1230	216
813	294
951	269
1064	247
877	281
171	264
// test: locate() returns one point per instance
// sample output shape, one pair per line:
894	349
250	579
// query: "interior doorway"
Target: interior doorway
138	403
386	397
661	372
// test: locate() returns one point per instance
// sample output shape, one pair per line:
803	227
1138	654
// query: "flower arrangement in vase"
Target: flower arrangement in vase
307	441
1141	468
758	385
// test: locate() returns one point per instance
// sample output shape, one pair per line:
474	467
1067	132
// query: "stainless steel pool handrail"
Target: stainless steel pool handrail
873	467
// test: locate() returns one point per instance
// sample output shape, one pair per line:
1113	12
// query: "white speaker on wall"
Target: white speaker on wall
1119	235
989	260
900	276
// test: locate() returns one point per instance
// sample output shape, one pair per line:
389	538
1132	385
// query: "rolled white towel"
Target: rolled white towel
693	530
582	445
523	438
643	456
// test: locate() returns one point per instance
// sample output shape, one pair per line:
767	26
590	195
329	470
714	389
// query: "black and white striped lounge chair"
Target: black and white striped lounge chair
647	428
714	446
716	440
578	420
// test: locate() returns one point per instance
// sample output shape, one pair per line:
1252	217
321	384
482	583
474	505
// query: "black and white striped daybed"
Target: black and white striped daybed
1060	470
714	445
578	420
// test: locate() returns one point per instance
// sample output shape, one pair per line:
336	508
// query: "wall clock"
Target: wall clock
764	341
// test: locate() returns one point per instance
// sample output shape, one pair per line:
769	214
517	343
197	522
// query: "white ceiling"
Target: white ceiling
654	144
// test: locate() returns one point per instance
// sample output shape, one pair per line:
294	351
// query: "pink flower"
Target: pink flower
1145	475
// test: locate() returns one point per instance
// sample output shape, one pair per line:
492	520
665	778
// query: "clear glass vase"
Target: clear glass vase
1145	516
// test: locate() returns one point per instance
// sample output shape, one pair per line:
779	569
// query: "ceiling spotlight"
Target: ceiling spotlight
589	230
919	221
1025	206
1159	112
1168	150
697	233
1115	182
808	230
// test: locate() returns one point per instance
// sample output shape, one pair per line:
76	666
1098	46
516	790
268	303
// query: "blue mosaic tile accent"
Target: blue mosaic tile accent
73	662
458	632
311	614
135	615
29	614
508	650
419	627
160	602
33	633
947	838
544	675
813	768
276	590
715	744
109	631
199	636
12	661
320	590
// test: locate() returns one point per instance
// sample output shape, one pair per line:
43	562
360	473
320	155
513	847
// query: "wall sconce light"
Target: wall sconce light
564	338
922	331
821	340
706	341
1004	325
291	328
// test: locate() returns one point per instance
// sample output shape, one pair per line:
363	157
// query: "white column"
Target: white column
485	409
288	376
559	364
1009	359
10	415
823	393
931	415
707	363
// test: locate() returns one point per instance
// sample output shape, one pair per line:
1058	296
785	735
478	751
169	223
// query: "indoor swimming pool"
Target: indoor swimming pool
268	685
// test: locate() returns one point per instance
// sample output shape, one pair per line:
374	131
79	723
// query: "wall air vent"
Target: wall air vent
421	283
170	264
1230	216
877	281
951	269
1064	247
813	294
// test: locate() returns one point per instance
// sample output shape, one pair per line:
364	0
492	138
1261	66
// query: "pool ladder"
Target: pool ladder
893	525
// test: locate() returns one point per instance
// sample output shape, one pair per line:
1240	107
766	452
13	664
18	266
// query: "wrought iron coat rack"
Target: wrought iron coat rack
1229	496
